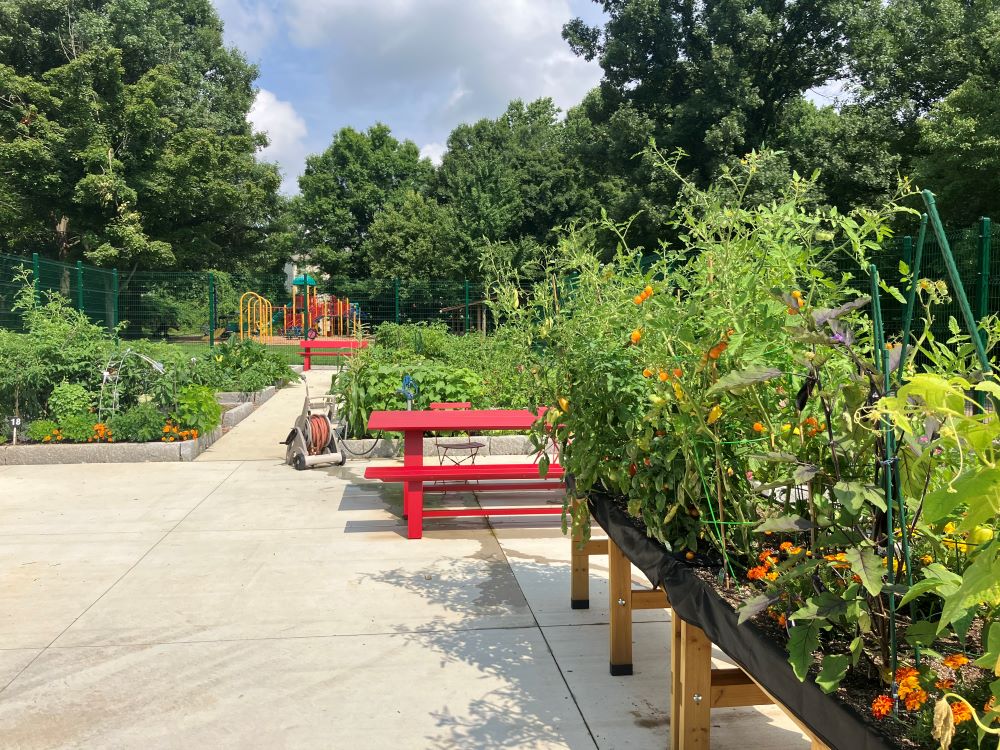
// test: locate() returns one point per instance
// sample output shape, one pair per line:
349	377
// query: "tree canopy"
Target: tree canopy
124	137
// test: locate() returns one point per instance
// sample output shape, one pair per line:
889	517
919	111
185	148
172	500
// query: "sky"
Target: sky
420	66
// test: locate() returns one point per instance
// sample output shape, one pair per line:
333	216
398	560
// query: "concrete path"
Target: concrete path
258	437
243	604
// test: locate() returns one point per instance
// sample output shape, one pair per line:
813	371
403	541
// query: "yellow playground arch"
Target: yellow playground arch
256	314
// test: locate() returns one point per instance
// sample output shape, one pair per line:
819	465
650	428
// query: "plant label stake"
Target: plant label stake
15	422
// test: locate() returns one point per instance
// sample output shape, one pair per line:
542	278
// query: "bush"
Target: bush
197	409
140	424
41	429
78	428
69	400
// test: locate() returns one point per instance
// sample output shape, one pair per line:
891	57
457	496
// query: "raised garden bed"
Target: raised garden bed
758	653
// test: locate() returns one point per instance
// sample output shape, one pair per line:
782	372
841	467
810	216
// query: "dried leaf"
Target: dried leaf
944	724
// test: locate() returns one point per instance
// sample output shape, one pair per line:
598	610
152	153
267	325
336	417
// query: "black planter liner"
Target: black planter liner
695	602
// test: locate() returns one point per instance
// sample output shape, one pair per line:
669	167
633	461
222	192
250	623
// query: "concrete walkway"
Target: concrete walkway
237	603
257	438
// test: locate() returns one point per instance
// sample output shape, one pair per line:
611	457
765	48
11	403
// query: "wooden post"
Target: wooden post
579	597
620	608
693	683
676	648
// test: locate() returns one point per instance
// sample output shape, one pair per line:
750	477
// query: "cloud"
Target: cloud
431	64
287	132
249	25
433	151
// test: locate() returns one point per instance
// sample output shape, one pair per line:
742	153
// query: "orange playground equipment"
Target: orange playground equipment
312	315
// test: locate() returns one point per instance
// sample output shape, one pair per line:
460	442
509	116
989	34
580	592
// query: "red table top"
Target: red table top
463	419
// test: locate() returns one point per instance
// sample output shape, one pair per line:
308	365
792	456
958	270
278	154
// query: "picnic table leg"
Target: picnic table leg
620	594
306	361
413	492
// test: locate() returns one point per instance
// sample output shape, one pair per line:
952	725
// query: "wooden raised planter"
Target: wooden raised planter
701	618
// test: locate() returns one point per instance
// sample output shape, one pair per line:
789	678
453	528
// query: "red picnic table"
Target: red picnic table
415	424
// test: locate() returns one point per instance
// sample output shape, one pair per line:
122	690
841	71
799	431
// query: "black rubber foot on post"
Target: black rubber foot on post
579	603
621	670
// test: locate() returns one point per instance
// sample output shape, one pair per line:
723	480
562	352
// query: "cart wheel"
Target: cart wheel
299	461
312	334
343	457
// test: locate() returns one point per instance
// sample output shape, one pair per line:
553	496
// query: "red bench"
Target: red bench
328	348
488	478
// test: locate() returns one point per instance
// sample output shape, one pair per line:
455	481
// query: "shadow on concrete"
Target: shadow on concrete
533	707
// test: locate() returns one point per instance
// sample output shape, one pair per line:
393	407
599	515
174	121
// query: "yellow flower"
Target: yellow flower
786	427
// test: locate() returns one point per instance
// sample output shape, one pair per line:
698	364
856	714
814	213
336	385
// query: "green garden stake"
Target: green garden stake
956	281
911	296
211	310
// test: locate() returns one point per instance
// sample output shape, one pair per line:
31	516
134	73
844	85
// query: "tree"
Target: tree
712	78
960	159
346	186
123	135
511	178
853	148
415	237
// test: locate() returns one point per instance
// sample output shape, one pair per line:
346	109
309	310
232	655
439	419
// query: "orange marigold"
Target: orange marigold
881	706
955	661
904	673
945	684
785	546
763	556
757	573
960	712
782	619
910	685
915	700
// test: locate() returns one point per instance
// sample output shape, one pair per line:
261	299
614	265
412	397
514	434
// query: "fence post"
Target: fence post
79	285
211	310
36	270
115	312
466	305
395	285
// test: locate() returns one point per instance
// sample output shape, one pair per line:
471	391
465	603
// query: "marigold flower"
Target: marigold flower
757	573
758	427
960	712
945	683
766	555
915	699
881	706
785	546
772	576
926	559
904	673
782	619
955	661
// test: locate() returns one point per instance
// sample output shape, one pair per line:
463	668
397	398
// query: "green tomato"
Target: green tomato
980	535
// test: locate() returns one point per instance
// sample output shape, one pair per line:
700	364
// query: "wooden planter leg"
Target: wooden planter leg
620	607
579	597
692	684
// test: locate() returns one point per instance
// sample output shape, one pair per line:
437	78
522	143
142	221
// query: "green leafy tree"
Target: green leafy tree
345	187
512	178
123	135
960	159
712	78
414	237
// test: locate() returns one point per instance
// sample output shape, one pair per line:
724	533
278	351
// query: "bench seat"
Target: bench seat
497	478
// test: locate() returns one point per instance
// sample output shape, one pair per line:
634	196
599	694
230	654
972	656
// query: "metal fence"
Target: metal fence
203	306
